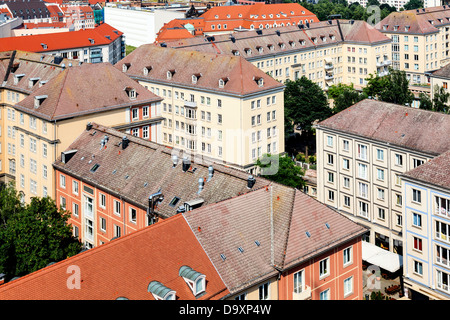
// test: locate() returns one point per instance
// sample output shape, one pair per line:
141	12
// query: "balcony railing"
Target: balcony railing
190	104
329	77
305	294
328	67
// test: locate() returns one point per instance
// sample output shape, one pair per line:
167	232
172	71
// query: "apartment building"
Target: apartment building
420	41
227	19
362	152
426	213
100	44
39	69
270	242
45	122
215	106
327	53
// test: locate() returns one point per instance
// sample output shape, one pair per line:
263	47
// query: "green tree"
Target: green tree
9	202
281	169
413	4
304	103
425	101
344	96
393	87
440	100
35	235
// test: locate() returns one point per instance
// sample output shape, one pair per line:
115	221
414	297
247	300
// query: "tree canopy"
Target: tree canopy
32	235
304	103
281	169
413	4
439	103
344	96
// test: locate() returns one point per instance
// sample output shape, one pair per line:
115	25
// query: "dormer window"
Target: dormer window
32	82
385	27
38	100
235	52
260	49
302	42
248	51
216	16
292	43
270	46
18	77
324	39
223	82
314	39
407	28
259	81
92	41
195	77
161	292
395	28
170	74
131	92
146	70
44	46
332	36
195	280
125	67
42	82
282	45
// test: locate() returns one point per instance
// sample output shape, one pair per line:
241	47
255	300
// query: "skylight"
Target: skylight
95	167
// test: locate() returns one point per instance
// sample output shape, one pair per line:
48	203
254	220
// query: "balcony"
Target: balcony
329	67
305	294
329	77
190	104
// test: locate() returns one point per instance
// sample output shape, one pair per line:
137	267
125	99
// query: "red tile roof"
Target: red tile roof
125	267
62	40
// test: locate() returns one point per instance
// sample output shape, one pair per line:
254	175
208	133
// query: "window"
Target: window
62	181
346	164
348	286
324	268
345	145
362	152
299	281
117	207
102	224
398	159
133	215
33	186
417	196
381	214
417	244
347	256
102	201
380	194
330	177
398	200
264	291
75	209
346	182
347	201
145	132
363	209
380	154
33	145
417	220
417	162
75	187
325	295
362	171
380	174
330	159
363	190
330	195
418	267
329	141
62	203
117	231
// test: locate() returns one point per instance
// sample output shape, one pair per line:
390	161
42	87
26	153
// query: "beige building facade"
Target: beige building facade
216	108
362	153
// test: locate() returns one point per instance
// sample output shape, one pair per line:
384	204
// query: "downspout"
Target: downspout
54	159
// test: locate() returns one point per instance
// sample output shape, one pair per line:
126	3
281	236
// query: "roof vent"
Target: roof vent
88	126
278	33
174	160
210	173
250	182
201	184
125	142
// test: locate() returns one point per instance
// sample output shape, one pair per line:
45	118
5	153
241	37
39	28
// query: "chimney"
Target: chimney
125	142
211	173
88	126
250	182
186	164
201	184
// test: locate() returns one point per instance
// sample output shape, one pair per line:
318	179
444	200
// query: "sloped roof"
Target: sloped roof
443	72
240	73
324	32
144	167
62	40
435	171
250	237
75	91
418	22
407	127
124	268
32	66
173	34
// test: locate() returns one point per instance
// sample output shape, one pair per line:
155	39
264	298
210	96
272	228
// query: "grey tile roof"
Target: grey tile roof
435	171
411	128
144	167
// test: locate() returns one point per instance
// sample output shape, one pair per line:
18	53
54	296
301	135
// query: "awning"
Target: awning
380	257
